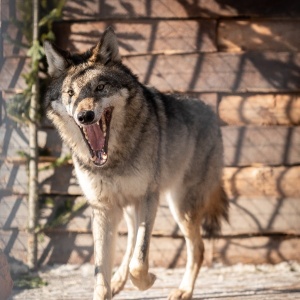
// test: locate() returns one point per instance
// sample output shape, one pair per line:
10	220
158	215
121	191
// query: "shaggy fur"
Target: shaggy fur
131	146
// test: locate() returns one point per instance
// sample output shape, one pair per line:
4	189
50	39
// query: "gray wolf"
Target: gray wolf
131	146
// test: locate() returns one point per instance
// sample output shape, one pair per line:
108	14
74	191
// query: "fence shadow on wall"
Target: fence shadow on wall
262	160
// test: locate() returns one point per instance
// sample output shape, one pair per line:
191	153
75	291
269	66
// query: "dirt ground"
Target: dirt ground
281	281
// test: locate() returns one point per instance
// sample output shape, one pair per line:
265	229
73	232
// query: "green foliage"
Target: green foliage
50	11
18	107
29	282
60	161
66	212
62	212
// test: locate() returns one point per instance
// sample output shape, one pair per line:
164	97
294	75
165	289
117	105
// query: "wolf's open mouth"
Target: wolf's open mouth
96	137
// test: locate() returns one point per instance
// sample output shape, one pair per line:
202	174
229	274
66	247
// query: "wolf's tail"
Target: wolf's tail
216	210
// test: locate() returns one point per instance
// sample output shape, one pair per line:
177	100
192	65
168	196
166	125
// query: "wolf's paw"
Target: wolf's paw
143	282
117	287
117	283
180	295
101	293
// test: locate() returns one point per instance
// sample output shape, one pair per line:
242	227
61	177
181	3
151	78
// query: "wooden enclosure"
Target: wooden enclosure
240	57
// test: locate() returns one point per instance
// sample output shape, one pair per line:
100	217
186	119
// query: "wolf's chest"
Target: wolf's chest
121	190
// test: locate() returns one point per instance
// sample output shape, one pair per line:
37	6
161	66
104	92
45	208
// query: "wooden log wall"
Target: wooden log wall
240	57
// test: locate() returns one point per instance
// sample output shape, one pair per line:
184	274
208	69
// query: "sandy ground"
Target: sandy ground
281	281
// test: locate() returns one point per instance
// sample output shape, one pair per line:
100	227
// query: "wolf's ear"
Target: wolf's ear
56	58
107	49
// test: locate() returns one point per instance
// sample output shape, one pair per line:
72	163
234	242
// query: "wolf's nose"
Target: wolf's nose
86	116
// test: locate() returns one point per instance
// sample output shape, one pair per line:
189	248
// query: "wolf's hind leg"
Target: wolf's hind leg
190	227
120	277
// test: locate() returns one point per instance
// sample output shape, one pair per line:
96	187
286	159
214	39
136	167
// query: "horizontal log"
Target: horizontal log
13	178
262	181
261	35
256	250
277	181
7	9
260	109
164	251
178	9
77	248
11	71
15	141
13	212
245	146
154	36
219	72
13	40
52	180
262	215
248	216
206	72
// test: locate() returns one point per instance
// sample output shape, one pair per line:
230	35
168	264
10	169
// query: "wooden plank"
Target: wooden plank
219	72
164	252
277	181
247	215
60	180
11	72
259	35
13	178
8	9
13	212
154	36
14	244
207	72
256	250
263	215
13	39
248	181
245	146
262	181
14	139
260	109
128	9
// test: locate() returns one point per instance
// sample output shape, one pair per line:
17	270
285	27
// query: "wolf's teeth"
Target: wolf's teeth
85	133
86	136
103	123
94	158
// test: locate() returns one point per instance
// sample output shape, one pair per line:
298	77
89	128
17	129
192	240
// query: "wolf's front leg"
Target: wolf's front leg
138	268
105	223
119	278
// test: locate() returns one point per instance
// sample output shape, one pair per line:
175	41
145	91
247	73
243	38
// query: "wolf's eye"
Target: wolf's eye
71	93
100	87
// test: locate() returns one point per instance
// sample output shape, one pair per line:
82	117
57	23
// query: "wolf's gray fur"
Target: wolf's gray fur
132	145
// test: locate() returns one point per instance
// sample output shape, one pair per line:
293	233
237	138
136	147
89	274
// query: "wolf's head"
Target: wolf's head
86	92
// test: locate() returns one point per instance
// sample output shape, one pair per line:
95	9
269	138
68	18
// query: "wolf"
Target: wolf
132	146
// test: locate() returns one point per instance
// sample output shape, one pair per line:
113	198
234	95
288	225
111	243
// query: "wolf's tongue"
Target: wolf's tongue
95	136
